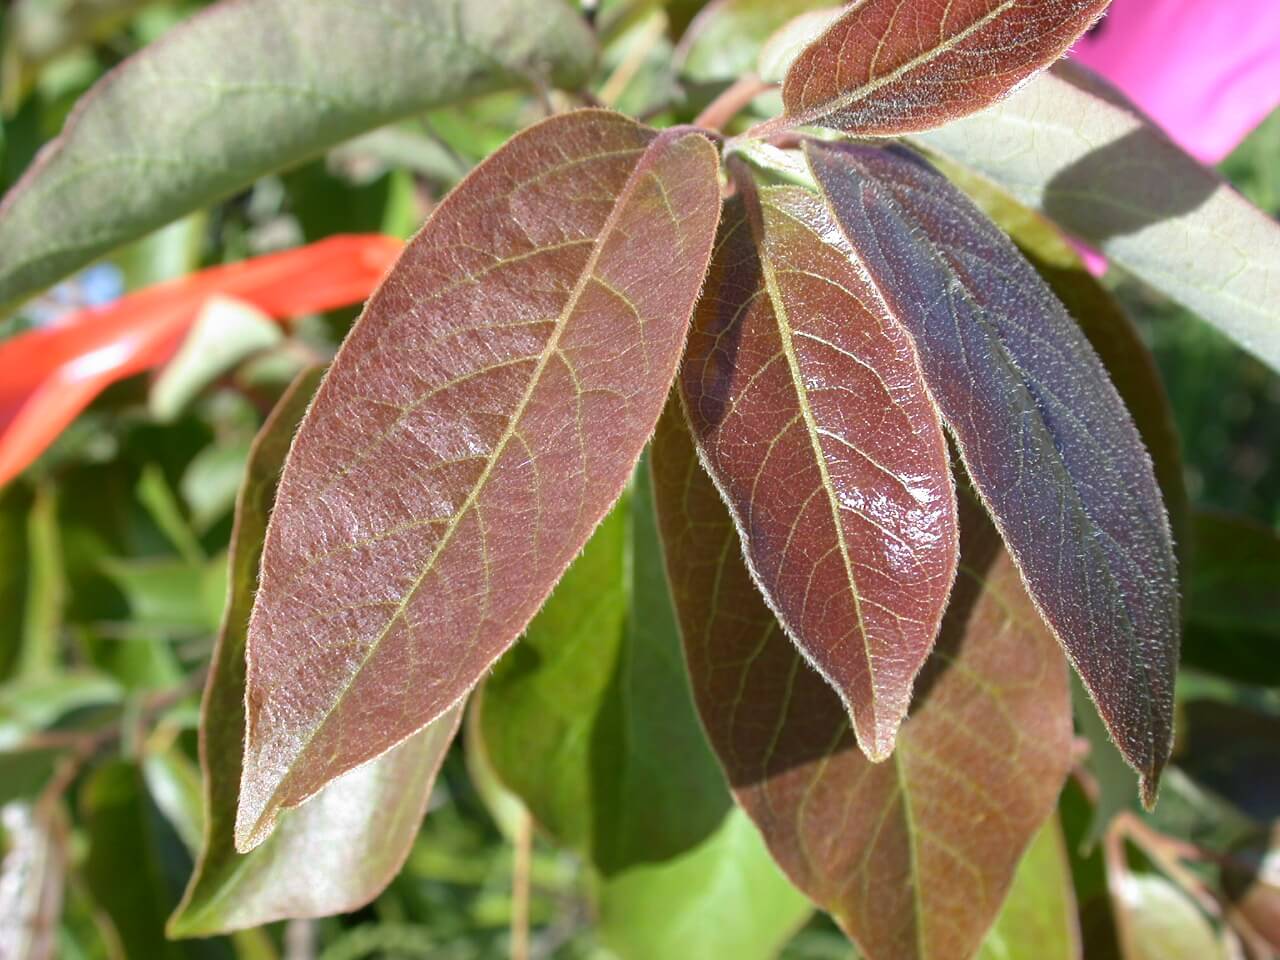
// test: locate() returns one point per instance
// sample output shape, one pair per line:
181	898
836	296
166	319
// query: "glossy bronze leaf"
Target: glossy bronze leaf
808	407
479	421
338	852
898	66
913	857
1044	435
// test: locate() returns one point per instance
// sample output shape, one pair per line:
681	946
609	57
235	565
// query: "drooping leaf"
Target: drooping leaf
1233	606
341	849
48	376
912	856
247	88
480	420
1075	148
1038	918
892	67
1043	433
724	40
589	719
723	898
808	407
1109	330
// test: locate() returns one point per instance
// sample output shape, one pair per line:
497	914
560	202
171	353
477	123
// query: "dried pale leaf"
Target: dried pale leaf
898	66
481	418
1049	444
913	856
809	409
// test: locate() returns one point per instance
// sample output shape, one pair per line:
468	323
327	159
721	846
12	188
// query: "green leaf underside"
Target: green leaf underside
479	421
246	88
912	856
898	66
337	852
808	408
1073	147
589	719
1039	917
1043	433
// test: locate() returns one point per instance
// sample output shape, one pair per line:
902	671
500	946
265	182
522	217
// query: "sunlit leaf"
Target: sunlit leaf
1075	148
48	376
342	848
1233	605
809	409
913	856
1157	921
790	40
244	89
1038	918
892	67
723	898
724	40
480	420
589	719
1043	433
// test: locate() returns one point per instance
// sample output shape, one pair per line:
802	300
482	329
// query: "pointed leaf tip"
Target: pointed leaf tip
808	408
481	418
890	67
1042	432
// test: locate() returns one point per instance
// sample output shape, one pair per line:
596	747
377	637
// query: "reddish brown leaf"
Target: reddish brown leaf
1044	435
810	412
898	66
912	857
479	421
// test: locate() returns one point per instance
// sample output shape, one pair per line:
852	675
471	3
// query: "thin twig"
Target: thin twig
631	65
521	871
736	98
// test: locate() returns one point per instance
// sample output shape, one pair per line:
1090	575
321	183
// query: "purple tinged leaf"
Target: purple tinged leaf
1043	433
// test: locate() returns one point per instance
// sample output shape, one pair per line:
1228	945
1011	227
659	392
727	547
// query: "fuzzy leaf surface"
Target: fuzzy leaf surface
245	88
1074	147
1045	437
912	856
336	853
897	66
808	406
481	418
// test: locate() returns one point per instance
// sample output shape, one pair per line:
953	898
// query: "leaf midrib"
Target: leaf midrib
549	351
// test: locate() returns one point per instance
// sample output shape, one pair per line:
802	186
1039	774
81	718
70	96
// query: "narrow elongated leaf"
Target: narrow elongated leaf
809	409
341	849
897	66
480	420
1072	146
1043	433
246	88
914	856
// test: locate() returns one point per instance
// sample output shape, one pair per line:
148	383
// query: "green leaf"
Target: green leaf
480	420
1073	147
243	89
725	40
1158	922
225	332
1038	918
589	719
810	412
34	704
913	856
1042	432
338	851
890	68
1233	606
723	898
